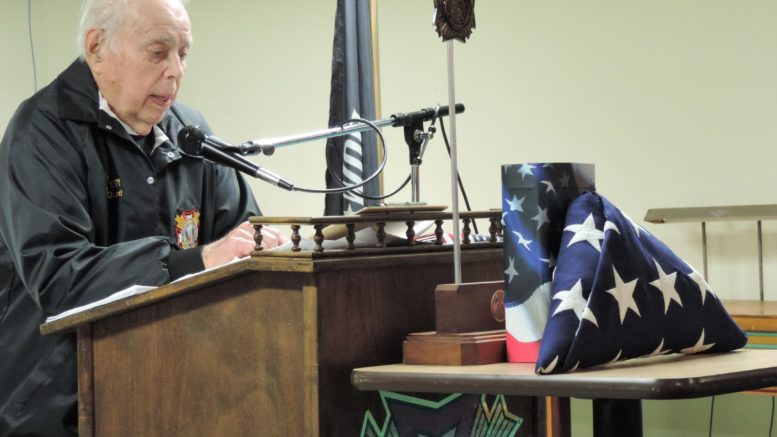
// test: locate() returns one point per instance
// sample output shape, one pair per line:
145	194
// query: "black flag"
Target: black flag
352	158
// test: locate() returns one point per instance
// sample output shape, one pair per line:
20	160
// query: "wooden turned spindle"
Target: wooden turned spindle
466	231
295	238
492	229
438	232
410	233
318	238
350	236
258	237
381	234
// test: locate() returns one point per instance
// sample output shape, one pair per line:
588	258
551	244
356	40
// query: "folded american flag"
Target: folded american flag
619	293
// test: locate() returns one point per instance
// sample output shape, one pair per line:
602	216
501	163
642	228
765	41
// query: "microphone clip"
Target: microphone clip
254	148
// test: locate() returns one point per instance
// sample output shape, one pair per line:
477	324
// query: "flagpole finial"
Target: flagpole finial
454	19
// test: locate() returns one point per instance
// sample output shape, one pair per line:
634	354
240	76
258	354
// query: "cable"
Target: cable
712	411
404	184
345	188
458	176
771	423
361	193
365	196
32	47
409	177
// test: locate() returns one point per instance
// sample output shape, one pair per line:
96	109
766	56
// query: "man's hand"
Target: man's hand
272	237
239	243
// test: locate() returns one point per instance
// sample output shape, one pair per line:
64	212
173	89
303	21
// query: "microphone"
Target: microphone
422	115
194	141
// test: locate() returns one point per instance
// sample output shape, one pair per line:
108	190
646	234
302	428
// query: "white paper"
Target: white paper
130	291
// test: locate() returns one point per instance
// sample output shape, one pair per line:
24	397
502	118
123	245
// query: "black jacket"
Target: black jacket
86	212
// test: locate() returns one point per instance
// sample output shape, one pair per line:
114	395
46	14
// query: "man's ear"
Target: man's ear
94	47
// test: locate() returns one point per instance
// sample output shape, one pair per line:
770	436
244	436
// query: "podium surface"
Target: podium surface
264	346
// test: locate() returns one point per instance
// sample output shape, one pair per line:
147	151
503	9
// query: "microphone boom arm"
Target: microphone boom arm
395	120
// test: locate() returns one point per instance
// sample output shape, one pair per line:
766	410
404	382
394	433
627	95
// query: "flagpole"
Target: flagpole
454	169
376	75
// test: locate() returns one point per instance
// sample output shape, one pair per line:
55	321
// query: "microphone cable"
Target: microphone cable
367	196
354	191
32	46
458	175
409	177
712	415
343	188
423	148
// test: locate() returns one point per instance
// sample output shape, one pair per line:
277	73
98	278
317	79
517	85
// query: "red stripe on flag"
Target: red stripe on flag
520	352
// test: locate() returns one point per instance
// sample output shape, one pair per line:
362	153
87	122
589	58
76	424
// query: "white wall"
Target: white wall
674	101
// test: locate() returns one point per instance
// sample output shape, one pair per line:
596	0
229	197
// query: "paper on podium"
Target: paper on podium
127	292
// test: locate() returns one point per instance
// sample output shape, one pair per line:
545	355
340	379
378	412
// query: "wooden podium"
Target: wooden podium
264	346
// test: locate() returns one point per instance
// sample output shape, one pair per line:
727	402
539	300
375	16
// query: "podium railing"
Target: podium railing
374	235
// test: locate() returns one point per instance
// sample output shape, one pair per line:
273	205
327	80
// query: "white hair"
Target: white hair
106	16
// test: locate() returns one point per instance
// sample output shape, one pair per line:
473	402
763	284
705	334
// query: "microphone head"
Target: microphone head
190	140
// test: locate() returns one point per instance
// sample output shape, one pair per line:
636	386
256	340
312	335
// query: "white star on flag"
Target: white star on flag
610	226
525	170
550	261
617	357
696	277
699	346
511	270
573	300
550	367
542	217
660	350
586	231
522	241
624	295
516	204
549	188
665	284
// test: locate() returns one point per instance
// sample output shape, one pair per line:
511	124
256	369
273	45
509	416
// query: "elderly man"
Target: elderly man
95	197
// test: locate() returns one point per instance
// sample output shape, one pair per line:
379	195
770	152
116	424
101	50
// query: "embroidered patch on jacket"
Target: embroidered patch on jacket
113	189
187	228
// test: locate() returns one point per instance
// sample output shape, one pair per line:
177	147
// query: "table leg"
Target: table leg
617	417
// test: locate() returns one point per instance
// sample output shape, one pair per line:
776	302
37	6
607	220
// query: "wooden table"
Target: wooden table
617	390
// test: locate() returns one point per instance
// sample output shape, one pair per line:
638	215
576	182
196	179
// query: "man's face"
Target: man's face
141	73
